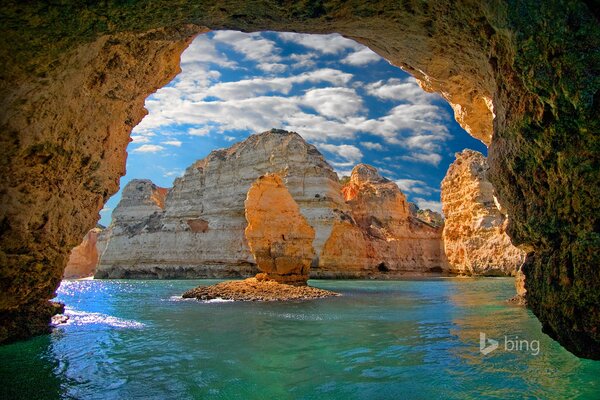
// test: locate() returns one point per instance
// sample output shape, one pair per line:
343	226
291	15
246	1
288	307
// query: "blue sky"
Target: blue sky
340	96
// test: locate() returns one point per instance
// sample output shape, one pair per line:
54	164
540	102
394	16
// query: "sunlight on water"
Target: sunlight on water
380	340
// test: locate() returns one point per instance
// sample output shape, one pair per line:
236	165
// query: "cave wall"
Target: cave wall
74	78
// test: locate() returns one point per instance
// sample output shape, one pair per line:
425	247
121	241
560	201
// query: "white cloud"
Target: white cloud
372	145
202	131
326	44
253	46
361	57
148	148
427	158
407	90
350	154
173	173
415	186
203	50
176	143
139	139
338	103
424	204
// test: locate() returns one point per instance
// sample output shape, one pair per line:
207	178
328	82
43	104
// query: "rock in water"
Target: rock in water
200	231
278	235
378	235
84	258
475	236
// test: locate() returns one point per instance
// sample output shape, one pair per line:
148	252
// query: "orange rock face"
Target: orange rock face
475	236
84	258
379	236
278	235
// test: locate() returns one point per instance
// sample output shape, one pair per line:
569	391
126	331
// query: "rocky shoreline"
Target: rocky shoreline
253	289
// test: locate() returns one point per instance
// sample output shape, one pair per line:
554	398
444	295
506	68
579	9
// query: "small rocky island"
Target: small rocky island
281	242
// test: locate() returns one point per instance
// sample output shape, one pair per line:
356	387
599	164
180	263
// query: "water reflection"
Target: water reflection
413	339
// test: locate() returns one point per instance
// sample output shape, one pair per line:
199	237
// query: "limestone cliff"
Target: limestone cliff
83	258
378	236
475	238
279	237
200	231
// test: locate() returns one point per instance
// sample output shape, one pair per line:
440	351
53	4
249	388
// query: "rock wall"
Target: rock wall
475	238
83	258
200	231
75	75
378	236
278	235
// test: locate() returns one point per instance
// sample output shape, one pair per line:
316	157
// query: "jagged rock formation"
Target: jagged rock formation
378	236
279	237
71	92
475	238
200	231
84	258
431	217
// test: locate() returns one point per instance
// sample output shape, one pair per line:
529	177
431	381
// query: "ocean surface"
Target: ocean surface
412	339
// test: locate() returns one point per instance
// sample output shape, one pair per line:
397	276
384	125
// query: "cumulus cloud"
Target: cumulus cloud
415	186
337	102
424	204
371	145
427	158
361	57
252	45
176	143
407	90
148	148
139	139
347	153
325	44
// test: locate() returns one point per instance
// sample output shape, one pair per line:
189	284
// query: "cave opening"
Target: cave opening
105	75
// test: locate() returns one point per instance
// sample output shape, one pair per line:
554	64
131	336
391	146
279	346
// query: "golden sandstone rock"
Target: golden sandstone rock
278	235
83	258
475	238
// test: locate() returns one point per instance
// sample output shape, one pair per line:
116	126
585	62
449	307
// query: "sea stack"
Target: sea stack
279	237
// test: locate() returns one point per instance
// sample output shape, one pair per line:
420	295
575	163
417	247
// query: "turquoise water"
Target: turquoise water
380	340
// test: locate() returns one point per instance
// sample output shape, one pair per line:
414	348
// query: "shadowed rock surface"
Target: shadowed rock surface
75	76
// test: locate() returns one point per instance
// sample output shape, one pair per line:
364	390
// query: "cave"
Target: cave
521	77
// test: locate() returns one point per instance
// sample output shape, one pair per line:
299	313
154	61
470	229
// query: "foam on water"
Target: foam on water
77	317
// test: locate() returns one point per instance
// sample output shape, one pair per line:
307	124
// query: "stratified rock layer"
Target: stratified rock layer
75	76
279	237
84	258
200	231
475	238
378	235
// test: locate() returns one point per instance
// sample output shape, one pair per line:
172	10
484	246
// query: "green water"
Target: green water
380	340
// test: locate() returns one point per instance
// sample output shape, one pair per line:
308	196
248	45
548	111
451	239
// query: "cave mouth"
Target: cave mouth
63	88
336	93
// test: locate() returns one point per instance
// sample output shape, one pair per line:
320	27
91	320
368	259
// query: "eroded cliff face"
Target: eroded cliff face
279	237
475	238
200	231
84	257
378	235
75	76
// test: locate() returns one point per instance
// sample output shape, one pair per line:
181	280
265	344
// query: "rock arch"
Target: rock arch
74	79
